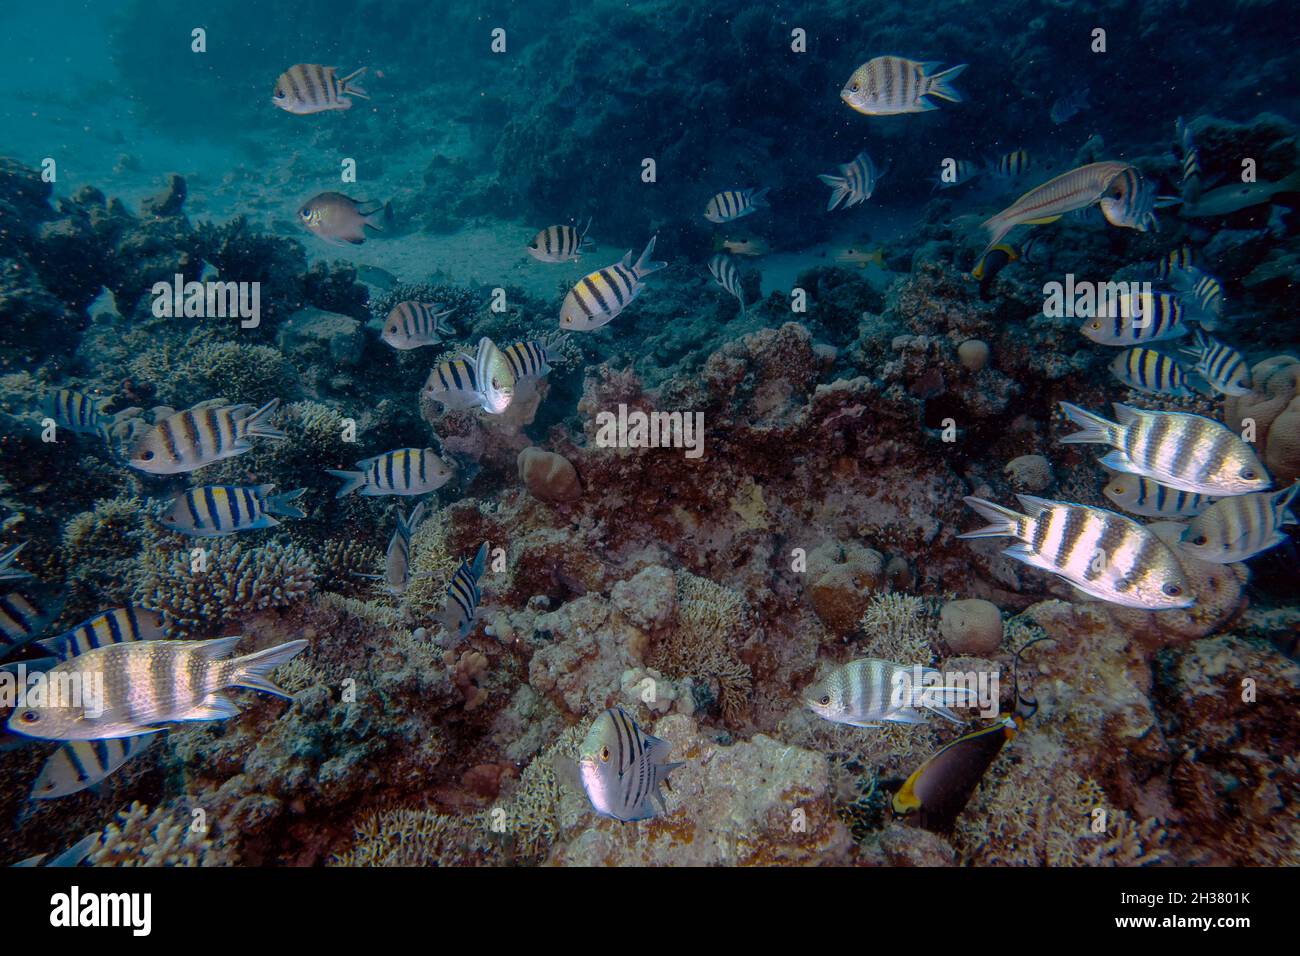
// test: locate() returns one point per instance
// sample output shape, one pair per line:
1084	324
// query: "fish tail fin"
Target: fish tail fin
352	480
1096	430
480	561
250	670
352	89
406	523
758	198
839	189
997	227
257	425
644	266
380	218
283	504
1003	522
940	84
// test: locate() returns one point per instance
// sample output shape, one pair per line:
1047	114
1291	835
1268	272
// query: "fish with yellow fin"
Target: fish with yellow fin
743	247
857	256
995	260
937	791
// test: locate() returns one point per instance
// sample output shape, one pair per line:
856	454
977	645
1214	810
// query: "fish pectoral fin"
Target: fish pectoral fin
906	715
214	707
1117	461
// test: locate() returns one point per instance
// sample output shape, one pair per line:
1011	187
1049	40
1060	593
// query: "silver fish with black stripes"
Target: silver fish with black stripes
403	471
184	441
1103	554
622	767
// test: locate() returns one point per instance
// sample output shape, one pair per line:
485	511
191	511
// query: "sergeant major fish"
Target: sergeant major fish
404	471
207	433
339	219
307	88
411	325
1220	365
146	684
1136	319
855	184
1239	527
1130	201
600	296
1149	371
560	243
212	511
727	275
1101	553
1012	165
1178	449
81	764
463	594
622	767
731	204
869	692
1142	496
889	85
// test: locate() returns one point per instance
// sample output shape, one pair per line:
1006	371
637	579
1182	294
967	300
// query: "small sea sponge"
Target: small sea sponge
235	580
1030	473
971	626
843	580
548	476
899	628
974	354
1282	451
467	672
1273	406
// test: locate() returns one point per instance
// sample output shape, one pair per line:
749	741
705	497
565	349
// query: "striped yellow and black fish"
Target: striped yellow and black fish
855	184
1012	165
404	471
1174	261
1178	449
463	594
145	684
1190	186
214	510
81	764
1220	365
454	383
621	768
1137	318
889	85
560	243
1150	371
869	692
1203	294
529	359
728	276
21	619
1240	527
75	411
397	561
731	204
1077	189
8	570
962	172
184	441
995	260
411	325
1142	496
119	625
1103	554
1130	201
307	88
600	296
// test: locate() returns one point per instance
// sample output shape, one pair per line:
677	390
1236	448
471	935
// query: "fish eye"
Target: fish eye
825	700
147	456
279	94
856	87
1094	325
1200	539
1173	590
305	212
604	754
29	717
392	328
1248	474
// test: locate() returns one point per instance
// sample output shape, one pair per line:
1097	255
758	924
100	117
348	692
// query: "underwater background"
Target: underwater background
543	641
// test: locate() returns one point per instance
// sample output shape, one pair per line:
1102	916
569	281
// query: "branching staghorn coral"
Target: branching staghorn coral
432	565
100	550
899	628
541	806
341	564
709	618
237	579
400	836
161	837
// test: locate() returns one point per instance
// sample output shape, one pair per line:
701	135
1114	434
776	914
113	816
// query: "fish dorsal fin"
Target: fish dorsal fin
1125	415
219	647
1034	506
